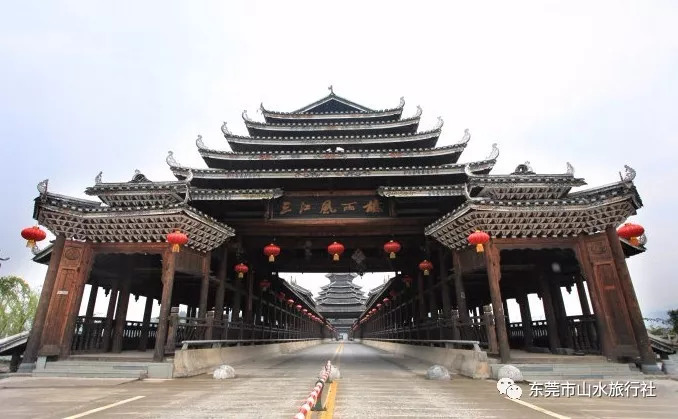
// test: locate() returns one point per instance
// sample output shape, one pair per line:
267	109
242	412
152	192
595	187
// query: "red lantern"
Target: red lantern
264	284
281	296
426	266
177	239
271	250
304	311
290	302
407	280
631	232
393	293
241	269
479	238
32	235
392	247
298	307
378	306
335	249
386	300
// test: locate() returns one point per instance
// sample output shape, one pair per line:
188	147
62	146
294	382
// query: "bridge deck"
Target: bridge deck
373	385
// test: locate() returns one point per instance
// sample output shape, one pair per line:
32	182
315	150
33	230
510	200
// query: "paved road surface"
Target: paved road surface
373	385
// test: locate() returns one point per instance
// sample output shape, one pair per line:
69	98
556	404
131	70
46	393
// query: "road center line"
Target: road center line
328	413
539	409
108	406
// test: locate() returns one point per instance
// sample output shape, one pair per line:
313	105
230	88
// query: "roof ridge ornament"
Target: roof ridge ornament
245	117
494	153
225	129
570	169
419	112
171	161
439	124
42	186
261	107
97	178
629	174
331	89
199	143
402	102
466	138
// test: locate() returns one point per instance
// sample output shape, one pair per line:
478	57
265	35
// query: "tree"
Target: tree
17	305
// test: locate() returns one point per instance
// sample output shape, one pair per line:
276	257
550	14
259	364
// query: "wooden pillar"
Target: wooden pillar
432	300
145	324
561	315
526	319
549	311
492	260
237	299
647	356
444	287
204	285
221	288
108	323
248	307
421	300
71	278
459	288
491	328
168	264
121	313
33	343
172	328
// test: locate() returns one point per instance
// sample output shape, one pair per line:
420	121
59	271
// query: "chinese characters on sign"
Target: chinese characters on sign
327	207
628	389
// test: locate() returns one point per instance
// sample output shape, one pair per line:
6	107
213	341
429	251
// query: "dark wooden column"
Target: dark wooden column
249	306
221	288
549	312
492	260
237	299
421	300
121	312
168	264
63	309
638	325
526	319
444	287
205	284
146	324
459	288
33	344
561	315
108	323
432	300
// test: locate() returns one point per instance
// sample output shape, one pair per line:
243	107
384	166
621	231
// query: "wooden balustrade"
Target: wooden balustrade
89	335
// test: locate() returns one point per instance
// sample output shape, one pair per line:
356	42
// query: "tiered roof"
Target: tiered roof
332	143
526	204
341	295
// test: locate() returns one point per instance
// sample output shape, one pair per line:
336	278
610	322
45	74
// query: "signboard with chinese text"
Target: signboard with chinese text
330	207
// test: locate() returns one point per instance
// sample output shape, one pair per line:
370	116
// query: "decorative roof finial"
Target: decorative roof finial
467	170
244	115
439	124
466	138
402	102
171	161
198	142
225	129
494	153
529	167
331	89
629	174
97	178
261	107
419	112
42	186
570	169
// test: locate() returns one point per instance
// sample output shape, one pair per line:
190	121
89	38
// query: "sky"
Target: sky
113	85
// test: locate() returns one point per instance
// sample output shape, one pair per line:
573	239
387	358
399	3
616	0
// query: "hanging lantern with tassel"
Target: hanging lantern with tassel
264	284
32	235
426	266
392	247
631	232
271	250
335	249
177	239
479	238
241	269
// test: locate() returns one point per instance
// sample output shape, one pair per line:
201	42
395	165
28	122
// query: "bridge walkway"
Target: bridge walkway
373	385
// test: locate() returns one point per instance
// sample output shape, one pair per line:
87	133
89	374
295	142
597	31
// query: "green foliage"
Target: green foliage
17	305
664	327
673	320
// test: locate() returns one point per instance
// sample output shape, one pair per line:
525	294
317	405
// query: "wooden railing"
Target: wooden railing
90	335
582	329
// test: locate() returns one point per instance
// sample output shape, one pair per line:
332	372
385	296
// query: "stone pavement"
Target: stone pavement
372	385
